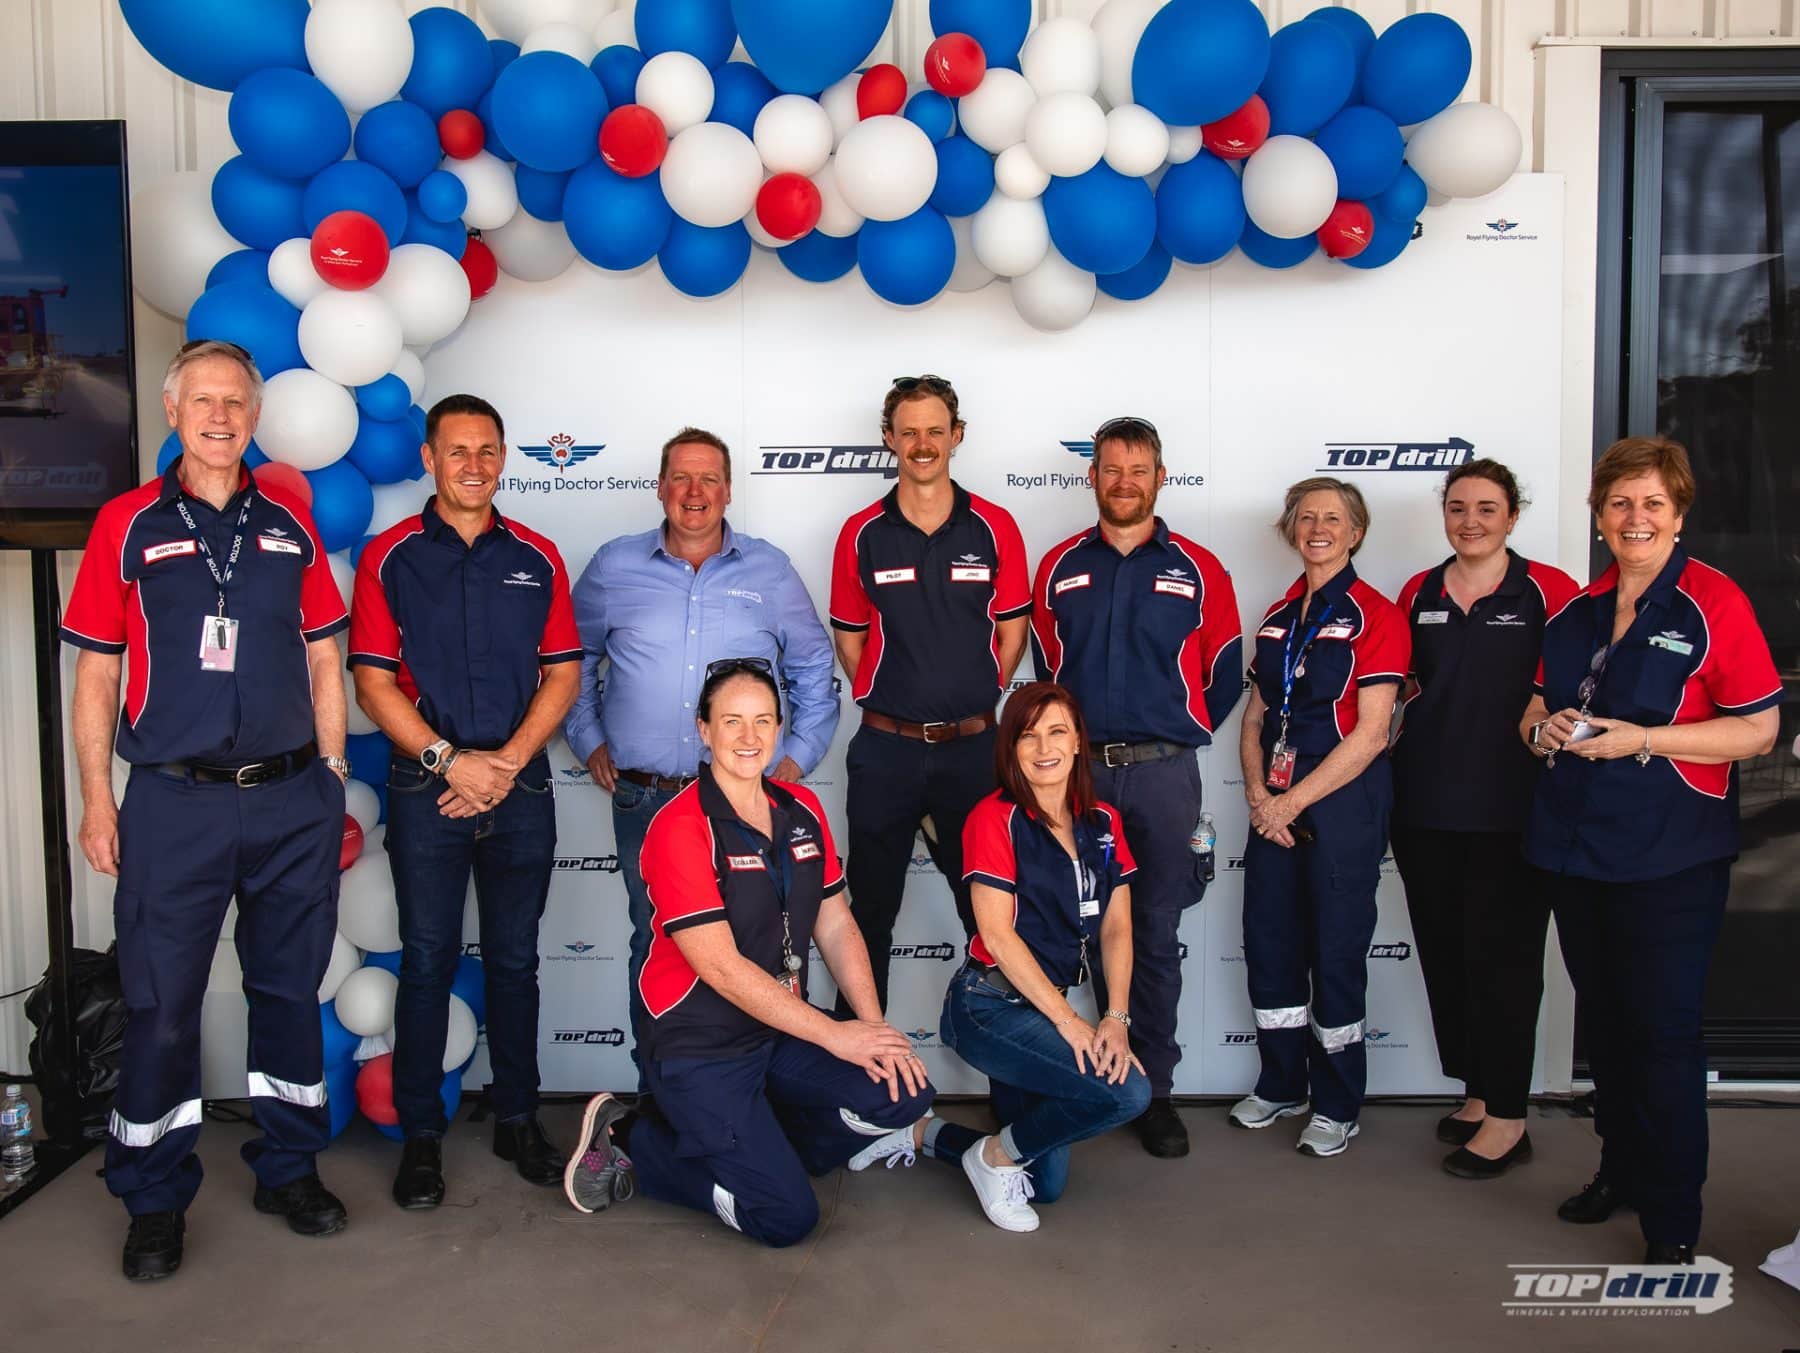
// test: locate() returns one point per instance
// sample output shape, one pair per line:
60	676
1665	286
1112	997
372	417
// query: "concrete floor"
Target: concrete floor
1243	1245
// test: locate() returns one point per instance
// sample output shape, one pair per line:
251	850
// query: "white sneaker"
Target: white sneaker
1003	1190
1325	1136
1253	1111
895	1147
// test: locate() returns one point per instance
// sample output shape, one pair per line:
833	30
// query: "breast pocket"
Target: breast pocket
747	627
1661	681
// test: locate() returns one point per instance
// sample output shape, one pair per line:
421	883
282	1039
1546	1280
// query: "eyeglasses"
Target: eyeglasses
1584	693
1130	427
734	666
928	382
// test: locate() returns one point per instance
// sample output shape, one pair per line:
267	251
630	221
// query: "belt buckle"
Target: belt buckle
249	777
1106	755
940	736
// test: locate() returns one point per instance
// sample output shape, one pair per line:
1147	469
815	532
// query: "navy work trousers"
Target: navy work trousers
633	805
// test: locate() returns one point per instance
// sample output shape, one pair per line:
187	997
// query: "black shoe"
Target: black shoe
523	1142
1595	1203
153	1246
311	1209
1162	1130
419	1182
1454	1131
1669	1254
1465	1164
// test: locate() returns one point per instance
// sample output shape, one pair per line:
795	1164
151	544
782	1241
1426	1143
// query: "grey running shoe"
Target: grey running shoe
1253	1111
598	1173
1325	1136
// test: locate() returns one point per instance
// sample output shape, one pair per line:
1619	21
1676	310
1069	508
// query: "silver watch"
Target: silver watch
338	764
1119	1015
433	758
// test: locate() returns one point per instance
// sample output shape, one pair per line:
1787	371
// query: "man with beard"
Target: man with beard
1142	625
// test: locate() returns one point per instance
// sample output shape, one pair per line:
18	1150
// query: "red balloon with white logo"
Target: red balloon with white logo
954	65
349	250
483	268
353	833
277	475
375	1090
788	206
881	91
633	141
1238	135
1347	231
461	134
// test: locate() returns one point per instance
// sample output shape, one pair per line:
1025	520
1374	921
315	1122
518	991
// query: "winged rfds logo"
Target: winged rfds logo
562	452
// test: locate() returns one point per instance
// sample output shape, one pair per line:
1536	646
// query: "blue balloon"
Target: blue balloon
615	222
256	207
618	67
1366	149
388	398
541	194
818	257
416	416
1355	29
998	25
1387	244
703	261
341	507
1101	221
1200	59
931	113
384	451
1417	68
367	753
965	177
255	317
400	140
492	142
217	43
288	123
339	1042
470	984
1312	69
442	196
452	66
739	92
804	45
701	28
340	1092
1404	199
503	52
243	265
168	451
548	108
388	961
1136	283
254	455
1270	252
907	262
351	185
450	236
357	549
1200	209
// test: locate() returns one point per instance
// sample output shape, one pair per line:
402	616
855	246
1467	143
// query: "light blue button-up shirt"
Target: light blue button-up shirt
656	622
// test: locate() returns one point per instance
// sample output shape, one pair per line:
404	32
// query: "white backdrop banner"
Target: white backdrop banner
1254	379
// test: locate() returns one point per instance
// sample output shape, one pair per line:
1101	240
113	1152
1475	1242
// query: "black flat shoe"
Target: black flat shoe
1465	1164
1163	1133
1595	1203
311	1209
1669	1254
419	1182
153	1246
525	1145
1454	1131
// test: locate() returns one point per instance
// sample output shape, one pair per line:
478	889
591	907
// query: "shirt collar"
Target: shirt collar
171	483
1159	537
437	530
959	504
1665	581
717	807
1518	572
1334	589
727	541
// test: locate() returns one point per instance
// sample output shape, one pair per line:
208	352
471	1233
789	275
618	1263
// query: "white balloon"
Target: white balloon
839	103
886	168
375	837
361	50
355	721
368	916
1018	174
794	135
292	274
428	290
410	369
1010	237
1061	56
1290	187
1468	150
1185	143
1118	27
993	116
374	1045
836	216
618	29
346	958
365	1000
678	88
308	420
1137	140
493	192
343	574
361	803
459	1040
396	502
531	250
970	274
515	20
567	38
1066	132
1055	295
710	174
176	240
351	337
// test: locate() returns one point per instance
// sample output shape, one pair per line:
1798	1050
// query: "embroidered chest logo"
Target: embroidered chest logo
1506	618
971	569
520	579
1176	582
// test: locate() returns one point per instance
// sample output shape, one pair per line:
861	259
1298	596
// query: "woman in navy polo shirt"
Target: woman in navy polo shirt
753	1086
1330	656
1462	792
1655	681
1048	870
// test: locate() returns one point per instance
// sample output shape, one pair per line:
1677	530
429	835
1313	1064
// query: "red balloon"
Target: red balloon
882	90
461	134
633	141
276	475
788	206
349	250
1348	230
954	65
375	1090
1239	135
483	269
353	843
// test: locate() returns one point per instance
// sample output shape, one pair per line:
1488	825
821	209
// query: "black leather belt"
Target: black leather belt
999	980
666	784
1114	754
245	777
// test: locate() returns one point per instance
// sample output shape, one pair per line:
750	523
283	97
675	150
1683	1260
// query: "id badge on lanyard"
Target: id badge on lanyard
1293	666
218	632
780	879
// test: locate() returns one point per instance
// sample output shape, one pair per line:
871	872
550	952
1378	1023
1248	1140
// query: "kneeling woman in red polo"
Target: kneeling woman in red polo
753	1088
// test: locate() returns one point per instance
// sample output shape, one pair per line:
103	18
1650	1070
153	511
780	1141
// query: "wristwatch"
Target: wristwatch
338	764
1119	1015
435	757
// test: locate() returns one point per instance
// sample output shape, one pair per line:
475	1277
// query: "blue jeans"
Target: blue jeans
511	851
1046	1103
633	807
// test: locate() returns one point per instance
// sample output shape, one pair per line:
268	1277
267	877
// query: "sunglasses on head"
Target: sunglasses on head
734	666
1129	427
933	384
194	343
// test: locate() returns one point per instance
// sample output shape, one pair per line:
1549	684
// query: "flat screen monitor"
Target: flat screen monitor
68	422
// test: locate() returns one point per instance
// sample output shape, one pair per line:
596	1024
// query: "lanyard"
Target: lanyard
237	543
781	879
1293	664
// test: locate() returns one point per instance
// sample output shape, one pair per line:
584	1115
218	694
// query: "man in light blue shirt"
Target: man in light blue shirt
656	609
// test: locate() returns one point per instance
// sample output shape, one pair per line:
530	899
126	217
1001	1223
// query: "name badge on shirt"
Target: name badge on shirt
746	863
971	573
1069	584
169	551
806	850
1680	646
1090	906
1176	588
1272	632
896	575
1337	632
1434	617
218	644
275	546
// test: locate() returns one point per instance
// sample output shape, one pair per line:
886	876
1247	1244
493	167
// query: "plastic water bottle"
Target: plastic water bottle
17	1155
1201	841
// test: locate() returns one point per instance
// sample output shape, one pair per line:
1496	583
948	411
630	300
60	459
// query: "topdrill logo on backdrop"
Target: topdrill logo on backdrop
561	453
828	460
1367	456
1067	482
1588	1290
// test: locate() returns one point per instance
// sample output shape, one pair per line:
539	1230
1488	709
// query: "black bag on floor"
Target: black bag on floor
77	1090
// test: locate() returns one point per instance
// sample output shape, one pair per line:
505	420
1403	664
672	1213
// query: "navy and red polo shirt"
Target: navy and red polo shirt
1694	652
144	589
931	605
465	628
1459	764
1149	642
1056	899
1362	641
702	863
